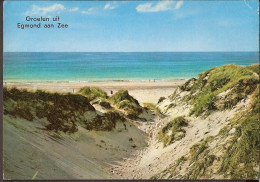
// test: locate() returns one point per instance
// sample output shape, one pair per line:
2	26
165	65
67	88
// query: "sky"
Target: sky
133	26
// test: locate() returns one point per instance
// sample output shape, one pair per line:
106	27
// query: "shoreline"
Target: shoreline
100	84
95	81
143	91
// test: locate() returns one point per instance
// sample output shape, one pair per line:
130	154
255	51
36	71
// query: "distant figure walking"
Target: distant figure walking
111	92
72	90
153	80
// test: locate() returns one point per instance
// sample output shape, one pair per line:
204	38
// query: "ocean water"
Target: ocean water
98	66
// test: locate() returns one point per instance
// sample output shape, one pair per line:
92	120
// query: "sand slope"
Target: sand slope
83	155
207	144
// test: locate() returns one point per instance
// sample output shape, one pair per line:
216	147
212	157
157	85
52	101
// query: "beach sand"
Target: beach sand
143	91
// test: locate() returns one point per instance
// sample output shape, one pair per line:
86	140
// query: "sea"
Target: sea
115	66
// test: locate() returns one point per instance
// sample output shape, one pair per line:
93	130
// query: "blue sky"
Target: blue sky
134	26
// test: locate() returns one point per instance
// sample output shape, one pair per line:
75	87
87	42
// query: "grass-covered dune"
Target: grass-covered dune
219	88
173	131
92	93
64	136
64	112
233	152
122	100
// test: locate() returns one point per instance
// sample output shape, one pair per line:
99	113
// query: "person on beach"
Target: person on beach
111	92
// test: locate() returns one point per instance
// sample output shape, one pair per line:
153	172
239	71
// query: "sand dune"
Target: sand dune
219	117
84	155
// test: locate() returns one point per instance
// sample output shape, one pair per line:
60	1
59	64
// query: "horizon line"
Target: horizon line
121	51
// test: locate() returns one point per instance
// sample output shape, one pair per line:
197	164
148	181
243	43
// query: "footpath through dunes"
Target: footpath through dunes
66	136
211	130
207	128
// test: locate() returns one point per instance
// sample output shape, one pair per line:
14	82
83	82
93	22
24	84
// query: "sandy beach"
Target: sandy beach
143	91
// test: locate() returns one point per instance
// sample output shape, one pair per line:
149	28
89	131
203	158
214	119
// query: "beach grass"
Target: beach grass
239	81
244	146
92	93
64	112
173	131
122	100
153	107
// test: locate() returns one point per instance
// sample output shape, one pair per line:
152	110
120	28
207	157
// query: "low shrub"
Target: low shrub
23	110
106	122
122	100
92	93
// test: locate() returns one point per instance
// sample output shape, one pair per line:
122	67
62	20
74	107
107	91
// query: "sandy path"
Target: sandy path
155	158
138	165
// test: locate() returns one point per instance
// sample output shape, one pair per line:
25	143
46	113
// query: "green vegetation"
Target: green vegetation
152	107
233	154
197	149
122	100
173	170
63	111
224	131
171	106
187	86
176	167
123	95
254	68
105	104
106	122
173	131
200	159
242	156
237	81
161	99
21	109
179	162
199	168
173	96
92	93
